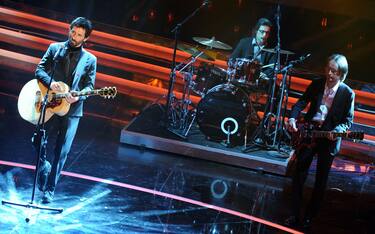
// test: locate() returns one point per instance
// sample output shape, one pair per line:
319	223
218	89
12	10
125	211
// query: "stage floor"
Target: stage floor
147	130
112	187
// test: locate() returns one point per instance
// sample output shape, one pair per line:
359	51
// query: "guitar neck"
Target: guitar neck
307	132
86	93
77	94
325	134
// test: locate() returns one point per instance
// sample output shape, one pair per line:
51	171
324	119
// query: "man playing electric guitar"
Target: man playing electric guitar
332	108
76	67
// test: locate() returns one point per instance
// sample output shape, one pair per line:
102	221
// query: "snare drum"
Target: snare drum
247	71
224	109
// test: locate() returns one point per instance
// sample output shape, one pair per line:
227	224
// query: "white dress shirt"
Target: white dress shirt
257	49
328	96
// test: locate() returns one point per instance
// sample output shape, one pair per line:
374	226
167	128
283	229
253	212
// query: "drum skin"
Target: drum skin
247	71
220	109
208	76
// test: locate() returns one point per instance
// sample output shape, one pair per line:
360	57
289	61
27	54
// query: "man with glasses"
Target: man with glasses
252	47
331	109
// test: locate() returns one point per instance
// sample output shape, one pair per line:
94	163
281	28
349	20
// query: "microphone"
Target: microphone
205	3
295	62
301	59
58	52
304	57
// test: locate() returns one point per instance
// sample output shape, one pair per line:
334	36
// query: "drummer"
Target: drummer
251	48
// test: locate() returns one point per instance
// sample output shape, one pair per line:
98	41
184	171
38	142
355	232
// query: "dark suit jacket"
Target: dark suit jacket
340	115
244	49
83	75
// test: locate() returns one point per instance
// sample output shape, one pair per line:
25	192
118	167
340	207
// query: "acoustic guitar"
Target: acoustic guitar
34	91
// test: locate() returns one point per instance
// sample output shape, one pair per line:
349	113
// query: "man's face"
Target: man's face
77	36
332	73
262	34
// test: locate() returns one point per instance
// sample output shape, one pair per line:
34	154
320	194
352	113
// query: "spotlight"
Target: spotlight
151	14
170	17
135	18
324	22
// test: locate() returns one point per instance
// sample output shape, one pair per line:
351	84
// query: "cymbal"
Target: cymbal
211	42
287	52
194	51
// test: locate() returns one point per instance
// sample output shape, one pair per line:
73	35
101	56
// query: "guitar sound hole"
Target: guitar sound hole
54	102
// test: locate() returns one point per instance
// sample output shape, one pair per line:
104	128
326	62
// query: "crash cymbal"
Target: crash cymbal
211	42
193	51
287	52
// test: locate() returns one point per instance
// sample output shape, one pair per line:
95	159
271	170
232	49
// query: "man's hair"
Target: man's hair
261	22
82	23
342	64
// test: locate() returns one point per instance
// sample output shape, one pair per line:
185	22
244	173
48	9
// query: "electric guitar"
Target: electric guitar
33	92
308	132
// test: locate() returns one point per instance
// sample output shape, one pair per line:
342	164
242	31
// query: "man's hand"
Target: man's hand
70	99
263	76
331	136
55	86
231	63
292	126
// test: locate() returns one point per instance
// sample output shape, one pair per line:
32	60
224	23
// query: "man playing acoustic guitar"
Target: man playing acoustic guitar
331	109
76	67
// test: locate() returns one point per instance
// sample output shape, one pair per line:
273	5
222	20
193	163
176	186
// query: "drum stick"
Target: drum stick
268	65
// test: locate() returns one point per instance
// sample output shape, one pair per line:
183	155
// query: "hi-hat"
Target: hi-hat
287	52
193	51
211	42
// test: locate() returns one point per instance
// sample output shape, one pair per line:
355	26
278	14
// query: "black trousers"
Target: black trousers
304	158
65	127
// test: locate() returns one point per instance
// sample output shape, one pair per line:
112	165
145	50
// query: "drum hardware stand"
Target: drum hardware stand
228	132
39	141
227	142
172	75
279	129
182	117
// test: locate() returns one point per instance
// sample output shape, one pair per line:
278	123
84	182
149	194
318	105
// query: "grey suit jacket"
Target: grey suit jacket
83	75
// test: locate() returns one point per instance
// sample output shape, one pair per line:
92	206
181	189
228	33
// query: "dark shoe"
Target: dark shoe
47	197
44	171
292	221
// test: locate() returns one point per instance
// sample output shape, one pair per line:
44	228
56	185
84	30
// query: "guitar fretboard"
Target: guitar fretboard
76	94
322	134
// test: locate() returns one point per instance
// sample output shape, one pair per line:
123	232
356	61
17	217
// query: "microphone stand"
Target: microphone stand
284	88
39	141
172	75
276	71
262	135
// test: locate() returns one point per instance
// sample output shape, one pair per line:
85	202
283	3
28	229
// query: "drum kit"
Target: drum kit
226	109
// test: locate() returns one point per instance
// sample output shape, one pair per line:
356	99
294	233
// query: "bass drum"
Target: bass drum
225	108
